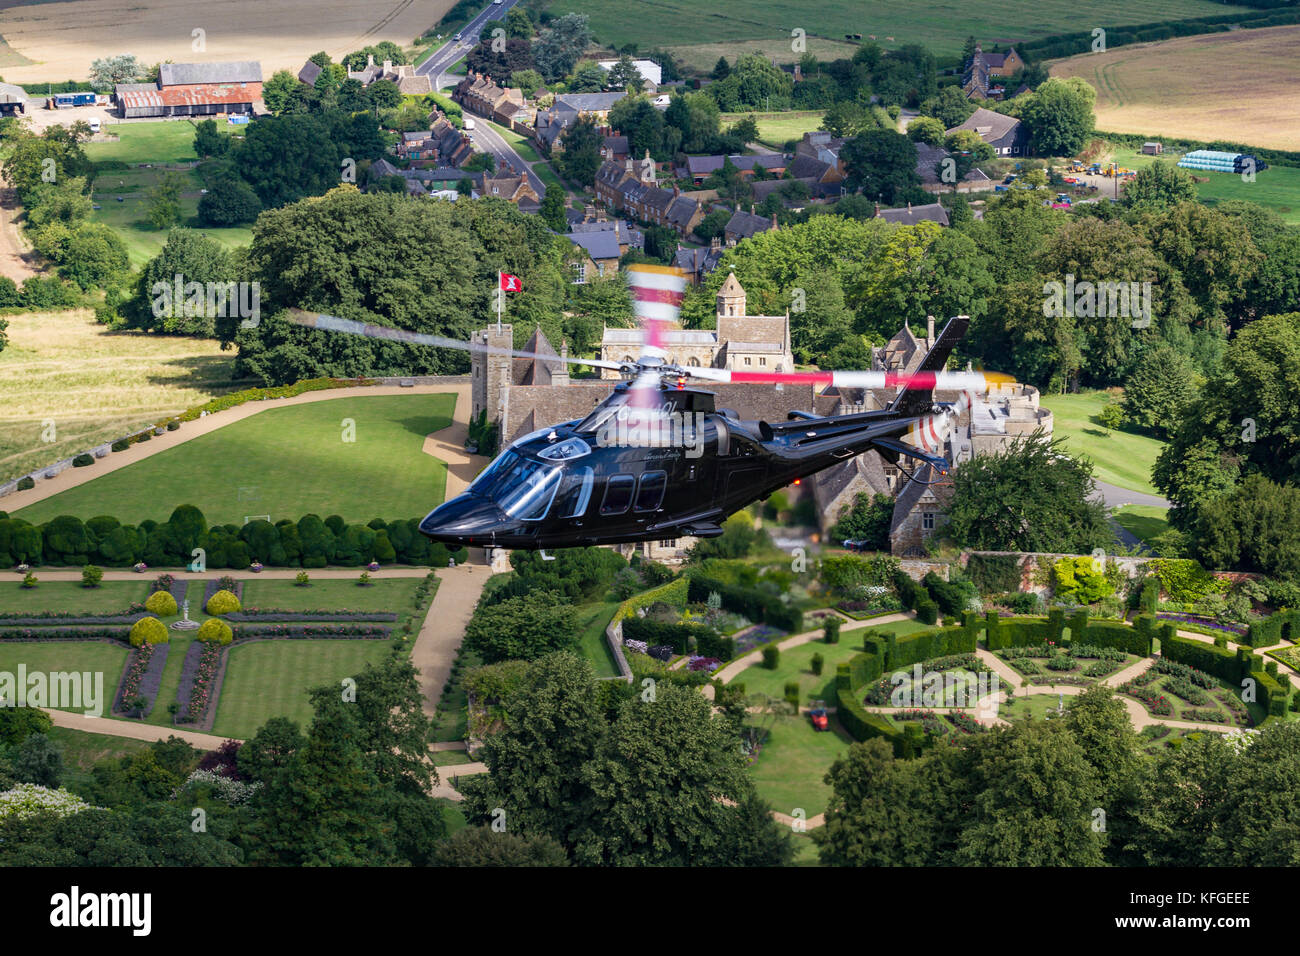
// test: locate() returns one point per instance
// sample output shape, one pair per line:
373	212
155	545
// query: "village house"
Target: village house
403	76
699	261
928	168
631	188
823	178
652	73
478	94
980	77
699	168
745	225
1006	134
910	216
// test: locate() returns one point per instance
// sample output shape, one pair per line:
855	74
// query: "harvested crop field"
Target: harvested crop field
1237	86
61	39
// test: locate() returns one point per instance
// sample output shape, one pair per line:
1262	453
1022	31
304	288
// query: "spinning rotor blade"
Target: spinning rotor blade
946	380
657	293
332	323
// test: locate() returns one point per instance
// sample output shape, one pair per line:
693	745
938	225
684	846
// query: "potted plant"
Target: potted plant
23	568
255	567
139	567
372	566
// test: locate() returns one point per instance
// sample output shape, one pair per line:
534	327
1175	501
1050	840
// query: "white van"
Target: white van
469	123
94	124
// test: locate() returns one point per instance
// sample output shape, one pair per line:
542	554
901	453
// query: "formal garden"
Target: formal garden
219	655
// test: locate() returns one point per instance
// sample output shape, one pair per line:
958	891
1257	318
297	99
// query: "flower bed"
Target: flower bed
931	723
1205	716
143	676
755	636
274	614
116	632
202	662
225	583
965	723
706	664
1186	672
311	631
1203	622
1185	689
71	619
1155	701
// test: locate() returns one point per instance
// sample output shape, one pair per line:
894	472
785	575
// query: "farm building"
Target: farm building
1154	148
13	99
194	89
1219	161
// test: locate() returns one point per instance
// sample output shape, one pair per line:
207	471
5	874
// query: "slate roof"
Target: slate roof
185	74
590	102
911	215
599	245
746	224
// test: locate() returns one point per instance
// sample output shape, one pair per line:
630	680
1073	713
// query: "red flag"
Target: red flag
510	283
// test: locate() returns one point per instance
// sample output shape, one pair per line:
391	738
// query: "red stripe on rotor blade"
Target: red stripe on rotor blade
783	378
915	380
646	294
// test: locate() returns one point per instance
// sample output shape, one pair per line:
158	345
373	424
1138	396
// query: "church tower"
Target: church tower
489	374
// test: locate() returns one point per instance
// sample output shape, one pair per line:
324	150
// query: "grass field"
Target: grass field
82	750
1120	458
94	385
735	26
1142	521
111	597
148	147
594	618
789	770
285	462
268	679
1162	88
1276	188
775	129
95	657
166	141
382	594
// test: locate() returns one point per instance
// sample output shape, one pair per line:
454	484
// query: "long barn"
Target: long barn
194	89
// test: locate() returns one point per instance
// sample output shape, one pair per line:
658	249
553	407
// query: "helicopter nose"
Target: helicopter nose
463	519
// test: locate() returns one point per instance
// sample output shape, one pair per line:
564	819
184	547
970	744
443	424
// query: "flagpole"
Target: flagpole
501	299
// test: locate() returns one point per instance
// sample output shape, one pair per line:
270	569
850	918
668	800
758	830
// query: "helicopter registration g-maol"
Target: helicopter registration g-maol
658	460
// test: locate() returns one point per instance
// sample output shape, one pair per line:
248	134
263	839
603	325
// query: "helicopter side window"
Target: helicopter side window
618	495
650	492
573	502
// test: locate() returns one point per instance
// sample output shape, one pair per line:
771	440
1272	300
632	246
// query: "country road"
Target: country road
490	141
450	52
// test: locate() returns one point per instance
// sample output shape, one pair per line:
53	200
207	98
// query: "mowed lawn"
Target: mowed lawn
775	129
789	770
66	377
940	26
284	462
1120	458
382	594
1142	521
594	618
266	679
111	597
94	657
796	664
167	141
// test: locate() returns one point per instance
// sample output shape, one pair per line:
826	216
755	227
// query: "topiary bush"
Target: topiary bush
771	657
792	694
161	603
215	631
302	579
818	662
26	483
91	576
149	630
122	444
831	630
82	460
223	602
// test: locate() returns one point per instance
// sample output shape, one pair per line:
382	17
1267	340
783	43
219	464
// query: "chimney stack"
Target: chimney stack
929	329
388	66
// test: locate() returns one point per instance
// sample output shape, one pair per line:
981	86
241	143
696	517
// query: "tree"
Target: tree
581	156
209	141
1255	527
195	258
721	69
500	60
528	81
163	200
868	520
1160	388
882	164
1158	186
384	94
280	91
588	77
518	23
1215	257
483	846
624	75
552	208
229	202
522	628
950	106
559	47
284	158
1059	116
480	162
1028	497
94	256
846	118
52	156
926	129
713	224
753	84
107	72
636	117
38	760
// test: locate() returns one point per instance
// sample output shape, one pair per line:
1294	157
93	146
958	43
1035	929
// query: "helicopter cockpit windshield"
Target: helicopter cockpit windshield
519	486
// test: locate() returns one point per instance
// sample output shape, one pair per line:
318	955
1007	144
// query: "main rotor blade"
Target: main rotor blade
657	293
956	381
332	323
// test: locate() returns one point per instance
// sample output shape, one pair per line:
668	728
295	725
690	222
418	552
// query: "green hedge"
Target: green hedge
994	573
674	593
854	718
744	601
1284	625
1137	640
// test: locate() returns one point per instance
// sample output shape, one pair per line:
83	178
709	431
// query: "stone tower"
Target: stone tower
489	374
731	297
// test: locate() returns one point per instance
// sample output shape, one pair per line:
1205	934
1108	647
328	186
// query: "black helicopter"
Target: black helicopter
658	460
